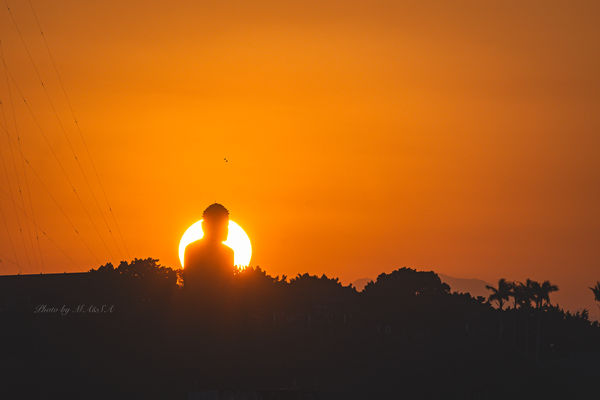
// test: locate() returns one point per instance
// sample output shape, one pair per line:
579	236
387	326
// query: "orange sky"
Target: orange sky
361	136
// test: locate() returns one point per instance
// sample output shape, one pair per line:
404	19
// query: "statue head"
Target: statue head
215	223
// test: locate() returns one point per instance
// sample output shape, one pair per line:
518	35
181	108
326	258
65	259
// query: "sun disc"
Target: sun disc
237	239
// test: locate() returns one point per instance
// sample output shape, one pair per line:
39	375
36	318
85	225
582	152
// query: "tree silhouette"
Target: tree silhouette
539	293
407	282
139	269
141	279
500	294
524	294
513	292
545	289
320	289
263	332
596	291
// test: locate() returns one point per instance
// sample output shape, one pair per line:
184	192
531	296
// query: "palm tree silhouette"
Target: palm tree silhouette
512	292
500	294
528	293
517	292
596	291
545	289
539	293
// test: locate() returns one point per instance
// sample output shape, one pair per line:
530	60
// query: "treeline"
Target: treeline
403	283
406	334
524	295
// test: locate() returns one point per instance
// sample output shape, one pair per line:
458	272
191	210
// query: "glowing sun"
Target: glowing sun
237	239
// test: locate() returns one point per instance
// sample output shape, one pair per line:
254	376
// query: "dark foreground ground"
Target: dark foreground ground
103	336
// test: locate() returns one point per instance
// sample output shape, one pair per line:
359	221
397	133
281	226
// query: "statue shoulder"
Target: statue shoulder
228	253
227	249
192	248
195	245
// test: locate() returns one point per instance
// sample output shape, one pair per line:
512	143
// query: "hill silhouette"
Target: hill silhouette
131	331
475	287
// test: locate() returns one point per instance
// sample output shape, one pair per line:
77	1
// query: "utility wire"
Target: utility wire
8	181
81	135
61	125
60	164
16	175
62	211
4	219
9	260
27	186
46	235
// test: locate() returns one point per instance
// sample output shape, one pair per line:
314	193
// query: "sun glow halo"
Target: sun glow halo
237	239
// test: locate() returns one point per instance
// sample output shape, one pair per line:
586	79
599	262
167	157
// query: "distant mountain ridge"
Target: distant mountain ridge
476	287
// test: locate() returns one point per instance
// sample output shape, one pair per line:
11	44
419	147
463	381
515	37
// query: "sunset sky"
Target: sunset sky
361	136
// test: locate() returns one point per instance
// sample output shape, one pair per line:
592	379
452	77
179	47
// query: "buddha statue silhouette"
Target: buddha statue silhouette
208	262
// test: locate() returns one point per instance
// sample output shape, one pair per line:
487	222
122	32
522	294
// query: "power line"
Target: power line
62	211
17	179
60	164
4	219
47	236
81	135
34	219
60	208
27	186
61	125
9	260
